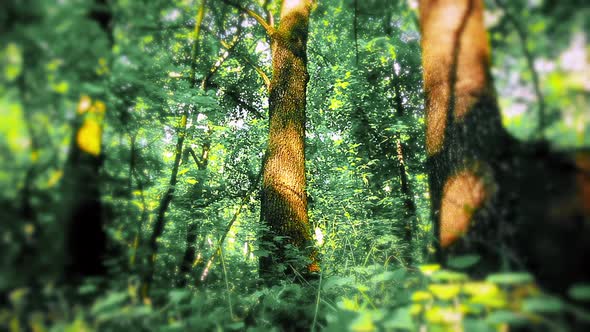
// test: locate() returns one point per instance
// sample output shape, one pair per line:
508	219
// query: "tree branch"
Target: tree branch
258	70
269	28
195	158
219	245
522	35
269	16
225	56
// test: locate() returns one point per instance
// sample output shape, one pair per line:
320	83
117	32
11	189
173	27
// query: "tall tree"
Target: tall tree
82	210
284	198
171	189
510	199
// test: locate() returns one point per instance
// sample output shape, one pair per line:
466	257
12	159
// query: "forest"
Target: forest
294	165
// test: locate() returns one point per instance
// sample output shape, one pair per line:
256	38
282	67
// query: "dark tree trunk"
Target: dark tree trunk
82	210
518	205
284	199
159	223
410	213
194	226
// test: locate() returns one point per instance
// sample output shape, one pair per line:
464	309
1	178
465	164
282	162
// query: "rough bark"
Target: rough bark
518	205
284	199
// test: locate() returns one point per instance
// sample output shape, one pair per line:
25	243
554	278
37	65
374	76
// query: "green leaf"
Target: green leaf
110	302
580	292
396	275
261	253
336	281
401	319
450	276
543	304
205	101
477	325
505	317
177	295
463	262
236	326
511	278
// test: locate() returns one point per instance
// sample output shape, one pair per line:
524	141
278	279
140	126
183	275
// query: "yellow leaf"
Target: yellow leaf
363	323
53	65
61	87
89	136
15	324
480	289
445	292
443	315
429	269
29	229
350	304
99	107
12	57
84	104
421	296
415	309
34	156
54	178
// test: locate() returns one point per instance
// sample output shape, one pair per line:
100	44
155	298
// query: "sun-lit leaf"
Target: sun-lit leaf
445	291
88	137
429	269
463	262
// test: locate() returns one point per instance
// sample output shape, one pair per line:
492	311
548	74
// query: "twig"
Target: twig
520	31
231	312
228	227
267	27
258	70
317	303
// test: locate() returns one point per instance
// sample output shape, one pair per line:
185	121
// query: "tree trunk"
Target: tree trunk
194	226
284	199
410	215
82	210
169	194
516	204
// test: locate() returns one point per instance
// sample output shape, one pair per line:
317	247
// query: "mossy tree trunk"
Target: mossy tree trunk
284	199
518	205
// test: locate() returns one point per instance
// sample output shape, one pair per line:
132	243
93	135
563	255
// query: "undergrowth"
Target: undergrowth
366	298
